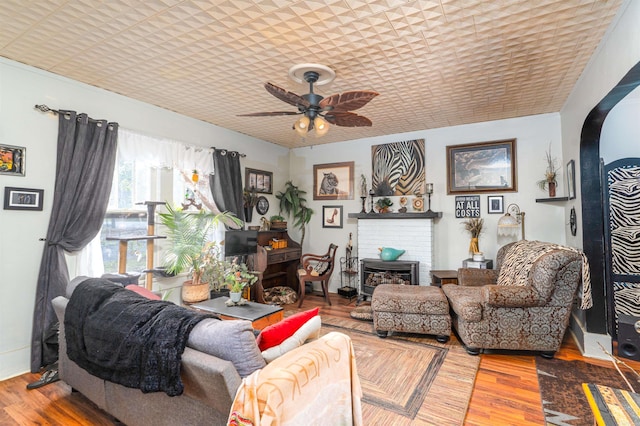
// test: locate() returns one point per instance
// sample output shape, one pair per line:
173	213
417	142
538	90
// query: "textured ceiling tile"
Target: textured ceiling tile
434	63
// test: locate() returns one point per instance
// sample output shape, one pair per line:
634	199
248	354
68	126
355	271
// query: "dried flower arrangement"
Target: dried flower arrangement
551	173
474	226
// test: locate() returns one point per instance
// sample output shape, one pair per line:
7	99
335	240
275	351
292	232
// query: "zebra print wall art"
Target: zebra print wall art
398	168
482	167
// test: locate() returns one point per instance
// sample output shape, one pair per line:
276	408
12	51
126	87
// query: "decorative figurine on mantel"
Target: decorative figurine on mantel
418	202
363	192
403	205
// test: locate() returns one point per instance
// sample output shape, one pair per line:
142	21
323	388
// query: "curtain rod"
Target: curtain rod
45	108
226	150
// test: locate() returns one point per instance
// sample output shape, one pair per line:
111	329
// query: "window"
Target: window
147	169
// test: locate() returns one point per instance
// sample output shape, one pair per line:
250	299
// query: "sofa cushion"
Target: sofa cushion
309	330
465	301
277	333
142	291
232	341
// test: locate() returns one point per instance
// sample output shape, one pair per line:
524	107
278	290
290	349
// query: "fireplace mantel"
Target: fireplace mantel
421	215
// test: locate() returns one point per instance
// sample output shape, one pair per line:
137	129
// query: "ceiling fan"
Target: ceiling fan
317	111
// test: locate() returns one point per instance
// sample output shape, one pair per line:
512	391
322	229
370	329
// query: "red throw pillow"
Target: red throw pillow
277	333
143	292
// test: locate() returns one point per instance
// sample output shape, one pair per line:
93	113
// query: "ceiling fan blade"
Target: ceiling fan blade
268	114
347	119
348	101
288	97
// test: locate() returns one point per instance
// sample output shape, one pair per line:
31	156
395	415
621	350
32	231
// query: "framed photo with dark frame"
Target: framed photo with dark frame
332	216
258	180
12	160
482	167
495	204
333	181
571	179
23	198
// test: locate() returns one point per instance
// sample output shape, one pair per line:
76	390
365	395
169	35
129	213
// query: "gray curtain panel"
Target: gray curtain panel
84	172
226	182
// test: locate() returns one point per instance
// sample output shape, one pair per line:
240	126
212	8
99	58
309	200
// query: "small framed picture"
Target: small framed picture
258	180
571	179
495	204
22	198
332	216
12	160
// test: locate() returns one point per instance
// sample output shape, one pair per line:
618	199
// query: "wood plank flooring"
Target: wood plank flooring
505	392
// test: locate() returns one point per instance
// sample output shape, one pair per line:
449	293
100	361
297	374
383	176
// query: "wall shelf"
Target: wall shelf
421	215
551	200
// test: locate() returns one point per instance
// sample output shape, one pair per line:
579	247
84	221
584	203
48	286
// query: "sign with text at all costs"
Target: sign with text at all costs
467	206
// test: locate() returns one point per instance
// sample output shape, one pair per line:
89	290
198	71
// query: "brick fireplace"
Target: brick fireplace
412	232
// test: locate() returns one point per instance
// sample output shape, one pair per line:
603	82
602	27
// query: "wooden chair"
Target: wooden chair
316	267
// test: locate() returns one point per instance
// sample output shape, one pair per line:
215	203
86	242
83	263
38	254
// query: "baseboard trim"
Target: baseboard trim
590	343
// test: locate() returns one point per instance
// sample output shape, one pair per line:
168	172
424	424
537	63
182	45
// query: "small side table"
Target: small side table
440	277
478	264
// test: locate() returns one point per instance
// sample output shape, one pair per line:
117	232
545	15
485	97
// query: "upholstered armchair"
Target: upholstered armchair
524	304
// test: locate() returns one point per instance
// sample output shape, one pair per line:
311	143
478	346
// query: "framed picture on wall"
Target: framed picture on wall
482	167
495	204
333	181
258	180
332	216
23	198
12	160
571	179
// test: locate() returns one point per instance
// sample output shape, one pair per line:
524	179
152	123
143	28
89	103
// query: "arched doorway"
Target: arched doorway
593	232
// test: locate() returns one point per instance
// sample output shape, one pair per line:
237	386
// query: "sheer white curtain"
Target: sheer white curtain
148	152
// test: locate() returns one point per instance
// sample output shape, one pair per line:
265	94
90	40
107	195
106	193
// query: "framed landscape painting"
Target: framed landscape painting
12	160
482	167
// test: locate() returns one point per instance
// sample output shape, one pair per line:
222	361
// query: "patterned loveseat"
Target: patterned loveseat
524	304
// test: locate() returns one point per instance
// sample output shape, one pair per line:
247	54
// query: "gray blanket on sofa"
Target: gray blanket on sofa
120	336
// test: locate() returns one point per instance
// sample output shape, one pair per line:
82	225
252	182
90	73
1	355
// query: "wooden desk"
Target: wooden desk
281	264
439	277
612	407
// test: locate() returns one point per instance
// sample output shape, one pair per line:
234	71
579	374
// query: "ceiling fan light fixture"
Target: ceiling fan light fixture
321	126
302	125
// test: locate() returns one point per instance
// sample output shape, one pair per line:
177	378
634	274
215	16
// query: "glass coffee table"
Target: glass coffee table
259	314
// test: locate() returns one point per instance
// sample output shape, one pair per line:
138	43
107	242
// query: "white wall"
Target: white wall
620	137
21	88
534	134
617	54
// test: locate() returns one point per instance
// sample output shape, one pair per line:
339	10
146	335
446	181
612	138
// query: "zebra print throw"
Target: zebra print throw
522	255
398	168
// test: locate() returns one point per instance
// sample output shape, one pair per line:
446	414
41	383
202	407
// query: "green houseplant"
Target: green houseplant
237	277
383	204
293	203
190	250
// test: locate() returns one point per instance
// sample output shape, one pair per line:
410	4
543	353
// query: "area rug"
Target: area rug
409	379
563	400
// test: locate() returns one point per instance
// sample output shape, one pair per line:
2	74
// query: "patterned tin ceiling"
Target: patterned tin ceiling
435	63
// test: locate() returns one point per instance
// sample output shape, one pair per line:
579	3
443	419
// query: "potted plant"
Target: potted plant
293	203
277	222
238	277
550	175
188	250
249	199
383	204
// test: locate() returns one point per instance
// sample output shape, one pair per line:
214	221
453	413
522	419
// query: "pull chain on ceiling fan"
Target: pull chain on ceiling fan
318	111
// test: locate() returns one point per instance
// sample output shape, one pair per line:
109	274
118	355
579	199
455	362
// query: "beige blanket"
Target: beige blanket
316	383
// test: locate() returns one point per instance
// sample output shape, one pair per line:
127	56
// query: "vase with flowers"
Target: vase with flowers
474	226
238	277
550	175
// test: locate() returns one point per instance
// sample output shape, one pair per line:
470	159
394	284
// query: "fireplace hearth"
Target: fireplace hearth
374	272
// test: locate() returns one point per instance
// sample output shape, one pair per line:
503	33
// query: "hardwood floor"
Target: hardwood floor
505	392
